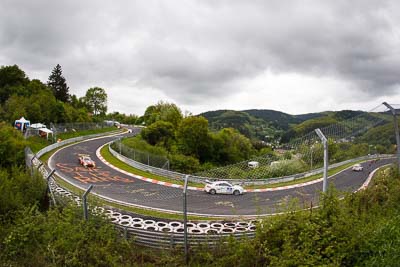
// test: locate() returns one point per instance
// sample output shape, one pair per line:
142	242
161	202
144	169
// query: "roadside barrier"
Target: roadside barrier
200	179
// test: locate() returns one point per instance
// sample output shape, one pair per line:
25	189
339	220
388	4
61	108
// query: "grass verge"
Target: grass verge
105	153
142	211
123	166
307	179
69	135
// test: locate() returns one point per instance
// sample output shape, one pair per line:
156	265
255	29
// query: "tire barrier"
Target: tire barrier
199	228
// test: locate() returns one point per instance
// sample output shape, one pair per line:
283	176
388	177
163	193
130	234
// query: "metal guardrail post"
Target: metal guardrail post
125	233
325	143
40	165
48	185
34	156
185	218
396	131
84	201
171	241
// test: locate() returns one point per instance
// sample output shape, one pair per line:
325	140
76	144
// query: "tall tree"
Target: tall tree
194	139
163	111
12	81
96	100
159	133
58	84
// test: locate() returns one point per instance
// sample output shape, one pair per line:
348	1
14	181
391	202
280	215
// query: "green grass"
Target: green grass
114	161
304	180
147	212
69	135
36	143
105	153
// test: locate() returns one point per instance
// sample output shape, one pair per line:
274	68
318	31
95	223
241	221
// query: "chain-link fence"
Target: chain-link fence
58	128
141	156
307	152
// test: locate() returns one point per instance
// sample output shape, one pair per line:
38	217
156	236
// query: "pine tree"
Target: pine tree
58	84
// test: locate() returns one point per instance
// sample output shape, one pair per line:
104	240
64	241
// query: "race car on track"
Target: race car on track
86	161
357	168
222	187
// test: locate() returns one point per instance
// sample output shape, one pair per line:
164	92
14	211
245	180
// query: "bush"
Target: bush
184	164
12	145
139	144
19	190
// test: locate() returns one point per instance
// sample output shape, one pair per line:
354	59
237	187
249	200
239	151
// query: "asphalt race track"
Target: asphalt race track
113	184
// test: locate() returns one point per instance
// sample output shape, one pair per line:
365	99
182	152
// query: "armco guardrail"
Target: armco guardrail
162	240
147	168
199	179
69	141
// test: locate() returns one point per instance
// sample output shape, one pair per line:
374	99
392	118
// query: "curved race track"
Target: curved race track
118	186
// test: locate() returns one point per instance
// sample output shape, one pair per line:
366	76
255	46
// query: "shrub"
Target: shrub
184	164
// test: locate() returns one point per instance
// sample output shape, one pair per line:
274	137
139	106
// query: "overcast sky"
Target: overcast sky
292	56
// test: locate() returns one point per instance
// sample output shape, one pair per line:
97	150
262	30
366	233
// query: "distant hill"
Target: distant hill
282	120
270	124
261	124
245	123
279	119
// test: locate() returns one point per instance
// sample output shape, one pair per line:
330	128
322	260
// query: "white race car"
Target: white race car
223	187
357	168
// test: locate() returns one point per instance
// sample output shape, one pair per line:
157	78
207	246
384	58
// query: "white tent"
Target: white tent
38	126
22	124
45	132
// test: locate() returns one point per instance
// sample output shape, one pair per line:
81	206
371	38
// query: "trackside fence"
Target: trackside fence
200	179
160	240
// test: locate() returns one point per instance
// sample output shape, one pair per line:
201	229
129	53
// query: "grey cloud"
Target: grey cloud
194	50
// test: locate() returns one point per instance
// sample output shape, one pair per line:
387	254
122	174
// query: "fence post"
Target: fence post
126	232
40	165
171	241
185	218
325	143
34	156
396	131
48	185
84	201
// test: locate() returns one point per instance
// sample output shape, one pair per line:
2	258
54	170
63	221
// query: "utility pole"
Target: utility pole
325	143
396	131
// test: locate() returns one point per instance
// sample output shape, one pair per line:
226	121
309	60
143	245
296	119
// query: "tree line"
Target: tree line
187	141
50	101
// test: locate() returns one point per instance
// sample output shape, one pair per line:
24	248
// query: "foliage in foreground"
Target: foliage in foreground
361	230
